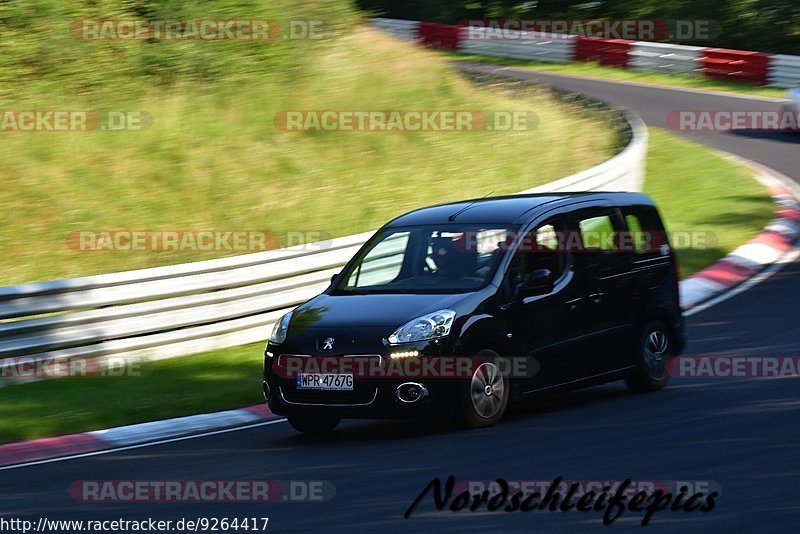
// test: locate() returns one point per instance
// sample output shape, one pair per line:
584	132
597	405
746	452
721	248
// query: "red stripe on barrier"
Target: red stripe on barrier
779	190
38	449
773	240
737	65
440	36
612	52
789	213
727	273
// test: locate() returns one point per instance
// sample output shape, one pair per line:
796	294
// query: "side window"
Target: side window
598	233
601	232
636	237
539	249
382	264
645	235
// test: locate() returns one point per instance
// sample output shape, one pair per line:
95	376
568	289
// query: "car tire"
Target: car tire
483	397
651	356
313	425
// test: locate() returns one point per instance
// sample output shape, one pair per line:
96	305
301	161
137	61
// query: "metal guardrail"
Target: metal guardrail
774	69
784	71
668	58
529	45
151	314
407	30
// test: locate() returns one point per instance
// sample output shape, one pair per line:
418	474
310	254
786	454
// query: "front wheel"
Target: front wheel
484	397
313	425
652	353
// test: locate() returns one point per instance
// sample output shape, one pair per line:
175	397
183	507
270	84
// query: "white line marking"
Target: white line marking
140	445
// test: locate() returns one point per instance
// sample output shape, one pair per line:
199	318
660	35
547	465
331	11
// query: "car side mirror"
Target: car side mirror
539	283
333	278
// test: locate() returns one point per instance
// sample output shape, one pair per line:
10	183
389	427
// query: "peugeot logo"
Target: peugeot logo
327	344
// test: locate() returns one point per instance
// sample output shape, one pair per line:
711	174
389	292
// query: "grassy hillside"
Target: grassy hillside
213	159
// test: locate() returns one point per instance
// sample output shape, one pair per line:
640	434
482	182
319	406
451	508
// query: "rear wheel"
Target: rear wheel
651	357
313	424
483	398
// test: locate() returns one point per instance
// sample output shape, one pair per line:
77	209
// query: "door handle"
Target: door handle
596	297
573	304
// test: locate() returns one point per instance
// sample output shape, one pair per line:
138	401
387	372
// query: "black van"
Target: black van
462	308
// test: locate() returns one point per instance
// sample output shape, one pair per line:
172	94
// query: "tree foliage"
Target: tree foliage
764	25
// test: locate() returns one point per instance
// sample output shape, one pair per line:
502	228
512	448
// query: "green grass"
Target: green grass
213	160
594	70
683	177
702	194
168	388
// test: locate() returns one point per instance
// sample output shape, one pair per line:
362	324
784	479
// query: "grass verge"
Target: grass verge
214	160
683	177
591	69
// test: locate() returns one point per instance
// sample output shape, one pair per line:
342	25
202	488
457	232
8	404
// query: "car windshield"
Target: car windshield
429	259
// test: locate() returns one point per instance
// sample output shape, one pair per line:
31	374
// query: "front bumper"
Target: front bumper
374	395
382	404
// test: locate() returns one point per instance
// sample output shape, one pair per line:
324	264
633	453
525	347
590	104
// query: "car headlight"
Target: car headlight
431	326
279	330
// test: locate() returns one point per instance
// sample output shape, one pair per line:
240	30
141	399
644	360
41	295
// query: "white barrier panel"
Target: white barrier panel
784	71
151	314
668	58
407	30
534	46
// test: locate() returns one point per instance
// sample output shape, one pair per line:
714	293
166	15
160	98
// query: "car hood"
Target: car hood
361	311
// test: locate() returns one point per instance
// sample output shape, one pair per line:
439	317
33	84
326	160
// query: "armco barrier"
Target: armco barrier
667	58
151	314
439	36
784	71
753	67
534	46
612	52
407	30
736	65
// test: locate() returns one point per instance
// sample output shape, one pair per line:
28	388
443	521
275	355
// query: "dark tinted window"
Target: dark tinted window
602	231
540	248
645	234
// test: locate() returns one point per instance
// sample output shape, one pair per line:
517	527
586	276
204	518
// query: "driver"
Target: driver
453	260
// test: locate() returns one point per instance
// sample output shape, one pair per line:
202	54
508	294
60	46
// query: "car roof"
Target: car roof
509	210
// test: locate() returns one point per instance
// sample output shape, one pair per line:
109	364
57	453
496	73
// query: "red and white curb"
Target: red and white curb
770	247
124	436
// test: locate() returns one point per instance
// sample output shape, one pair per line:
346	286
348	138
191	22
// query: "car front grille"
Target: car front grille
364	392
358	397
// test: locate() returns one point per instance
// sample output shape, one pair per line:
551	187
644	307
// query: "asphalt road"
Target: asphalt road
742	434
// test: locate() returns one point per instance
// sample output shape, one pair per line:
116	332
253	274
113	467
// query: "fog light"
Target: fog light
411	392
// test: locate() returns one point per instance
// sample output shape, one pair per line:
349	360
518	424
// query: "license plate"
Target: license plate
329	382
